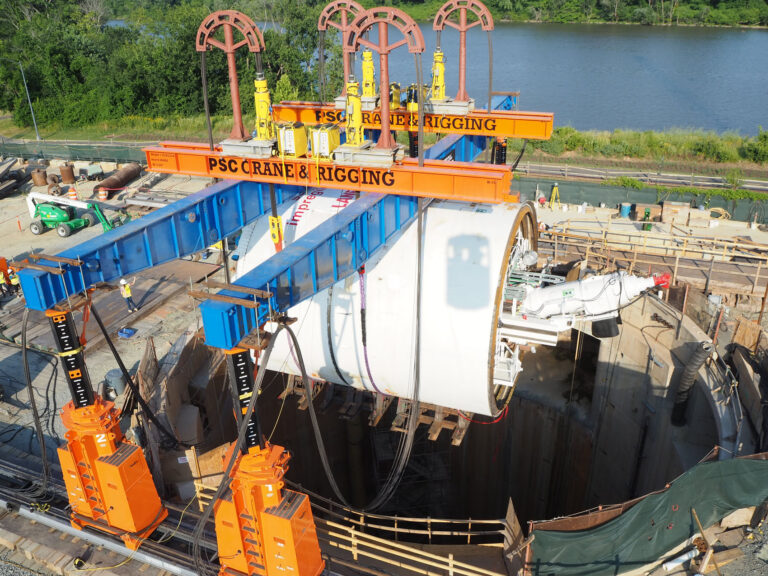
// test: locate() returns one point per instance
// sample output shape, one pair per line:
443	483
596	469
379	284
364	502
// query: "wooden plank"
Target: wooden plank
199	294
49	269
721	559
70	261
254	342
747	334
236	288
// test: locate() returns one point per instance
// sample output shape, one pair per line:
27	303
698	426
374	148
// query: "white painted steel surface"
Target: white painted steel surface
466	251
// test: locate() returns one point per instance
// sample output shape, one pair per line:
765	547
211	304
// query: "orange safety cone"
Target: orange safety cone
103	194
72	193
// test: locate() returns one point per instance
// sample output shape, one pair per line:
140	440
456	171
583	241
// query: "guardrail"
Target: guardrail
659	243
414	560
646	176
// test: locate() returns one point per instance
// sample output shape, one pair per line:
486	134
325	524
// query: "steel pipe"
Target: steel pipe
97	540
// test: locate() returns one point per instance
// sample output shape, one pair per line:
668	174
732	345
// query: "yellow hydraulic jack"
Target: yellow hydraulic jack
265	129
438	76
355	134
107	478
369	76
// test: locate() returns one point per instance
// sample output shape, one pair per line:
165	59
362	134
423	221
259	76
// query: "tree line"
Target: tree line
97	60
88	61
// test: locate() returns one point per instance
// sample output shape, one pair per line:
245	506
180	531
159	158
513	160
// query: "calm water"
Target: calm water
605	77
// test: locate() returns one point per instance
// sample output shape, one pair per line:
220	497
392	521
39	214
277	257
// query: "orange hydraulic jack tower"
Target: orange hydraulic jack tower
261	527
107	478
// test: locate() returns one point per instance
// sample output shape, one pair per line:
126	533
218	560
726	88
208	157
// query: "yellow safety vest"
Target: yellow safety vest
2	278
14	280
125	290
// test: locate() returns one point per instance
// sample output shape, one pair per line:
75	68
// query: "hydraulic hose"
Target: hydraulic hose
43	487
134	389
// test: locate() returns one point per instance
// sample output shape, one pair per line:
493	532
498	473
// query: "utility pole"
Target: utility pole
26	89
29	101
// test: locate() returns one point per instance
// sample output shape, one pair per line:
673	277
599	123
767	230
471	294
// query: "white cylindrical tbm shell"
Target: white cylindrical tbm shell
466	254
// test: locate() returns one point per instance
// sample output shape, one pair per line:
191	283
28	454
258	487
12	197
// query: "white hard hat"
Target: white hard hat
123	281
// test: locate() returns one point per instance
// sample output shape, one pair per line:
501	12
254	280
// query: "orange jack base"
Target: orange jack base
108	481
261	528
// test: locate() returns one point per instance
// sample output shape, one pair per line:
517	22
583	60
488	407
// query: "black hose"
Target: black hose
519	156
241	432
132	385
204	75
43	487
703	351
328	319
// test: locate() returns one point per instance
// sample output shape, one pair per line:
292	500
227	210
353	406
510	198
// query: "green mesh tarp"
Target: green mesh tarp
657	524
91	151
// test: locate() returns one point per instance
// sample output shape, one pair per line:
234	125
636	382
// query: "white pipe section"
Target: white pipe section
466	250
680	560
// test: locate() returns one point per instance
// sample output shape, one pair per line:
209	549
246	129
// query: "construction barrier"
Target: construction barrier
622	538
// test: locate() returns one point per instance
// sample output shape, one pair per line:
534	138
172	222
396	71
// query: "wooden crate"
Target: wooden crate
639	211
699	219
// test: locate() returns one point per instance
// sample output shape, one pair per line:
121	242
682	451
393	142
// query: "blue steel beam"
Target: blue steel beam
328	253
338	246
181	229
185	227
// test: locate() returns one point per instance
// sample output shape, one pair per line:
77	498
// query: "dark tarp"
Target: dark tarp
656	524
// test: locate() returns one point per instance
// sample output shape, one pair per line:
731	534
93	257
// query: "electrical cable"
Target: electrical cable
513	167
132	385
238	445
178	525
364	335
328	320
496	420
321	64
42	489
204	76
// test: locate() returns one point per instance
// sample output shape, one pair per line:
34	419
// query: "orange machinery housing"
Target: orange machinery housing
262	528
107	478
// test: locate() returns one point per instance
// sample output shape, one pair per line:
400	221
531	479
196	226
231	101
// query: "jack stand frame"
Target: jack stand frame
107	478
262	529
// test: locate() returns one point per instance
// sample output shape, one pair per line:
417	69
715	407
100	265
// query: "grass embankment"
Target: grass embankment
675	150
126	129
697	150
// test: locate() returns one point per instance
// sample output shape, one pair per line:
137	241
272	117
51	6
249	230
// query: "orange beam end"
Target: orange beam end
509	124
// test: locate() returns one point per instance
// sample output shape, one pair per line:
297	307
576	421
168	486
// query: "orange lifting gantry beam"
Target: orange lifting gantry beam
509	124
470	182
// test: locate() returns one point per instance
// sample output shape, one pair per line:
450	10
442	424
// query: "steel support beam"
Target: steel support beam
186	227
328	253
181	229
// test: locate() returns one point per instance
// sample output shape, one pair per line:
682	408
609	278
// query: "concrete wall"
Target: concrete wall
637	450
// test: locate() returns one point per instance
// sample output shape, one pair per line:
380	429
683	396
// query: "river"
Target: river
603	77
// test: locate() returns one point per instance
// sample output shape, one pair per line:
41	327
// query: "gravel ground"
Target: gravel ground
9	567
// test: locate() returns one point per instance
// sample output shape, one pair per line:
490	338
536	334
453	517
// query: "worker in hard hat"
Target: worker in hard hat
125	292
14	278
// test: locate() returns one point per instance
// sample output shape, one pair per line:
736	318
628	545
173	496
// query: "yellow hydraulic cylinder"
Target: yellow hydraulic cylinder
438	76
264	126
355	135
369	75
